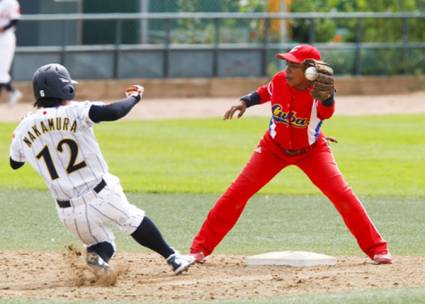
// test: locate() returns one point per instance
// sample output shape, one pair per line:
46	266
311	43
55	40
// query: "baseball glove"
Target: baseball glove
323	85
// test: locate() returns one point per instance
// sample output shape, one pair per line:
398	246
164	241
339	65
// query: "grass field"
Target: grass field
384	296
175	170
271	222
379	155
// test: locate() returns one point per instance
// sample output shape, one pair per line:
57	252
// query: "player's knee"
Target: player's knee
344	199
104	249
341	193
237	192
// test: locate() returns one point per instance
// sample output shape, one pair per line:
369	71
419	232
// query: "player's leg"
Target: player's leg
5	61
148	235
99	254
14	94
112	207
321	168
259	170
98	239
7	51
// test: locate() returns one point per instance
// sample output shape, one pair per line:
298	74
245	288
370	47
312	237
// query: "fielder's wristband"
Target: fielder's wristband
251	99
330	101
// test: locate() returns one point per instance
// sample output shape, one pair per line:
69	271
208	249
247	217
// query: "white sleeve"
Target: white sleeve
83	109
270	88
14	10
16	150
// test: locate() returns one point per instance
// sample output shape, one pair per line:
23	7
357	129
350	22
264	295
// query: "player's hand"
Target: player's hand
241	108
135	90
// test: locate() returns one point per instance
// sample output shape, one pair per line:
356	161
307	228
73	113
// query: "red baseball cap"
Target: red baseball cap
300	53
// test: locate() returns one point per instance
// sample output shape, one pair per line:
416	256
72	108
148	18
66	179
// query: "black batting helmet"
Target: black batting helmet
53	81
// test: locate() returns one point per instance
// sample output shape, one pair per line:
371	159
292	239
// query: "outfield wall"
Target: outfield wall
231	87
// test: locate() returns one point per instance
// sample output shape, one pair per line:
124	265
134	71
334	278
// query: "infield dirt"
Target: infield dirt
142	277
215	107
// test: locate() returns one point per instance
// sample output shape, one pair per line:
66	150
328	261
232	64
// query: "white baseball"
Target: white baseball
311	73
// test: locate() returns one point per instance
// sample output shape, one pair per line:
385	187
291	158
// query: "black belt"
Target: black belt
97	189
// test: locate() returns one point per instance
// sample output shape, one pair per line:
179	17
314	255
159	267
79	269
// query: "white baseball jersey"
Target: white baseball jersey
9	10
60	145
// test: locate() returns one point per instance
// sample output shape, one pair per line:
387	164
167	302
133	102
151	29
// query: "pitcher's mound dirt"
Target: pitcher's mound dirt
142	277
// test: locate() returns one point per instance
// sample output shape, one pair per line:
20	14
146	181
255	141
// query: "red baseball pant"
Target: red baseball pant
269	159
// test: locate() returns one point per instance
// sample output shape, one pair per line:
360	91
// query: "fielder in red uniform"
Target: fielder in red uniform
293	138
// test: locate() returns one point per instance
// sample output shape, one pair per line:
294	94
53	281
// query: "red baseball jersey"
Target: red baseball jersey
296	115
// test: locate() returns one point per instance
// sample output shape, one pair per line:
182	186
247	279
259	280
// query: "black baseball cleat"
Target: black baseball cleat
179	262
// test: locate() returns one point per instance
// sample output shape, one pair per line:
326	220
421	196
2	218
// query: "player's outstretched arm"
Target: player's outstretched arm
117	109
241	108
246	101
15	164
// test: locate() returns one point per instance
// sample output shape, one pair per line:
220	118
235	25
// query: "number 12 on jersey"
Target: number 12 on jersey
72	166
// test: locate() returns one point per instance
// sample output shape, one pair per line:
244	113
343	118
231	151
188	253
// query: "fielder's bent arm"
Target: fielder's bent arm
326	108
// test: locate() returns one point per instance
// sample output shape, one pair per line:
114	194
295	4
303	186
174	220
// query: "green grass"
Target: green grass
270	223
382	155
375	296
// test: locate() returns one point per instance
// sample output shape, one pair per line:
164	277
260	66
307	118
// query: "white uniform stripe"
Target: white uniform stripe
87	186
119	210
314	124
59	160
77	231
105	216
88	222
89	146
43	143
272	128
85	143
108	236
52	190
65	222
84	157
269	88
41	170
117	195
54	155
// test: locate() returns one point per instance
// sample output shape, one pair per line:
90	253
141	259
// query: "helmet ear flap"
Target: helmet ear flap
69	91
